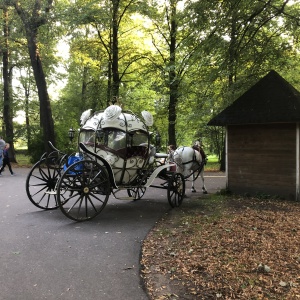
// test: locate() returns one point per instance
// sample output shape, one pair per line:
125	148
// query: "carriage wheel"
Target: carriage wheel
83	190
40	184
136	193
176	189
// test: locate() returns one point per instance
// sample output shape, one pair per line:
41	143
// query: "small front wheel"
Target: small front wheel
176	189
83	190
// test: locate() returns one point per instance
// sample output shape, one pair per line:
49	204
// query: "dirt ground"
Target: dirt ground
225	247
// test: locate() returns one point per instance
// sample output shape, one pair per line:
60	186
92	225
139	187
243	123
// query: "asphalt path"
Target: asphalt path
45	255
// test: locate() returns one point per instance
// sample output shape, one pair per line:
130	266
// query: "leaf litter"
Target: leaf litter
225	248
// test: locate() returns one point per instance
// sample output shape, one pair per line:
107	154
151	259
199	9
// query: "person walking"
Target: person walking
171	150
6	160
2	145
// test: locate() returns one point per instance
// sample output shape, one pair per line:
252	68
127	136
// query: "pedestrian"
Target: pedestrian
2	145
199	147
171	150
6	160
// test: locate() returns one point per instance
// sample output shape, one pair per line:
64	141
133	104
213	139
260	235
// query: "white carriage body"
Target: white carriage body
121	138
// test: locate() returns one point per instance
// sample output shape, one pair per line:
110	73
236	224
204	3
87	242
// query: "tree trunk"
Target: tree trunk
223	158
83	88
173	81
7	88
28	131
115	52
108	93
31	24
172	114
46	119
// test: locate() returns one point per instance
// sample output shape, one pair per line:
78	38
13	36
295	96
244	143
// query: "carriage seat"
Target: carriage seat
133	151
161	155
127	152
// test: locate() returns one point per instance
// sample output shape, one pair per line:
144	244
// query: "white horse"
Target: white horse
189	162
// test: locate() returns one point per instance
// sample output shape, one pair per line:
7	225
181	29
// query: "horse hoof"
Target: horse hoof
193	191
205	192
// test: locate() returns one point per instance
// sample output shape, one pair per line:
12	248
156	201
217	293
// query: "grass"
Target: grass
23	160
212	163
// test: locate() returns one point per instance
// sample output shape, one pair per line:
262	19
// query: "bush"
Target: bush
36	148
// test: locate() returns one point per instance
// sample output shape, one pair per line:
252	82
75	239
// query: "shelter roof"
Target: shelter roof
271	100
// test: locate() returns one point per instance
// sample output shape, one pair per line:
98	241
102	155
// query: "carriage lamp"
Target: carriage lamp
71	134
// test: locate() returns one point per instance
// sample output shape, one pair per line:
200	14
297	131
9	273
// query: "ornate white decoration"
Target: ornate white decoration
85	115
112	112
110	159
147	117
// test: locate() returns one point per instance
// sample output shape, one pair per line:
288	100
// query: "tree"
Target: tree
33	16
7	84
167	42
248	39
101	26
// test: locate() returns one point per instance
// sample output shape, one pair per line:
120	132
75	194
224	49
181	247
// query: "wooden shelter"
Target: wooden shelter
263	139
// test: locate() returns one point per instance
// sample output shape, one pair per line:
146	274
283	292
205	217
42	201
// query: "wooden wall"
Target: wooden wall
262	159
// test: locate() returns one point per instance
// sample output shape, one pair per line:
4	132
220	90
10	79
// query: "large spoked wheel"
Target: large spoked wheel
83	190
136	193
41	184
176	189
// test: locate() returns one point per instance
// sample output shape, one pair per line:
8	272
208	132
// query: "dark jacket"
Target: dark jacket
5	155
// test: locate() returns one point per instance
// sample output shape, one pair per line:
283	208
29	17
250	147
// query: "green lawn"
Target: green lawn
22	160
212	163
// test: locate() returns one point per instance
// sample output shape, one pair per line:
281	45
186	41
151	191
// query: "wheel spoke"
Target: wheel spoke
40	185
136	193
176	189
91	202
89	188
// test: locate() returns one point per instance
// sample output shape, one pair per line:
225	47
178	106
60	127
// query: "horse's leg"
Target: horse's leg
203	185
193	187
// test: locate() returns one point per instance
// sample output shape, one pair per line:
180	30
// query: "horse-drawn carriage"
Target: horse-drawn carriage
114	155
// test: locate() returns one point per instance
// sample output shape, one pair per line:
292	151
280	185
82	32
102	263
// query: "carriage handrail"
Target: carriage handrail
106	164
155	173
52	147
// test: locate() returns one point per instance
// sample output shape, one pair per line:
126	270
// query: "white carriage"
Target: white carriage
114	154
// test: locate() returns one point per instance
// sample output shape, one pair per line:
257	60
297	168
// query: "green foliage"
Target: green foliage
23	159
36	147
222	48
63	142
213	163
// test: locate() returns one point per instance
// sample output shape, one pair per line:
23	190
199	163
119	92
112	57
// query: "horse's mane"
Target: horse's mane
196	147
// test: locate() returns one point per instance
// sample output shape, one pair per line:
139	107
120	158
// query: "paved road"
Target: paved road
44	255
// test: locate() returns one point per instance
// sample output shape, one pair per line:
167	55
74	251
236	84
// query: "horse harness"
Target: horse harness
193	159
